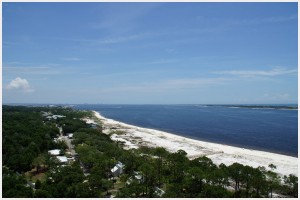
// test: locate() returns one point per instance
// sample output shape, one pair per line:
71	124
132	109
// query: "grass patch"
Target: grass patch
41	176
117	132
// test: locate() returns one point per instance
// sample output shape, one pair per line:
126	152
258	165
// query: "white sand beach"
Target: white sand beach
134	137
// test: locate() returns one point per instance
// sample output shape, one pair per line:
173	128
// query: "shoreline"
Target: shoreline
135	136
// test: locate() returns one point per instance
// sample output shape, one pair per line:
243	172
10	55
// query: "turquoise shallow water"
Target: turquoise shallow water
272	130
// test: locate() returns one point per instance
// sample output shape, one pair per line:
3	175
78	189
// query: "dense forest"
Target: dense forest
29	171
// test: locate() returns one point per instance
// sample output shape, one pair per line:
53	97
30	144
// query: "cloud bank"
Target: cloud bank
252	73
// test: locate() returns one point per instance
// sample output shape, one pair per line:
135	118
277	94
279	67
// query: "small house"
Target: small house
54	152
93	125
49	117
45	114
137	176
70	135
62	159
71	160
158	192
57	116
117	169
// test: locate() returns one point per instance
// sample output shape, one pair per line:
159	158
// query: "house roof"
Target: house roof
91	122
114	169
59	116
62	158
120	164
138	175
54	152
159	191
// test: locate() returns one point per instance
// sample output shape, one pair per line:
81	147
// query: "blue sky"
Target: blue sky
150	53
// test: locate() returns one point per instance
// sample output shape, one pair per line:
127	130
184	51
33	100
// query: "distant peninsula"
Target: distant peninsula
279	107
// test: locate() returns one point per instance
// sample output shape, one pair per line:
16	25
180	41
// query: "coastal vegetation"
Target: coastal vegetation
29	171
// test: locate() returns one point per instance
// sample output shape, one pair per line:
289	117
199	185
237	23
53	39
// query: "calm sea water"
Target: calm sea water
271	130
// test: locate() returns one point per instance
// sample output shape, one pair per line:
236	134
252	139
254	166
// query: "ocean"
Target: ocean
266	129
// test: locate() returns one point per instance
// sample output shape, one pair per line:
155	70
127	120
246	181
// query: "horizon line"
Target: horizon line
153	103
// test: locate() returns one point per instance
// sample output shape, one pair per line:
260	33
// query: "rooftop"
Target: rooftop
54	152
62	158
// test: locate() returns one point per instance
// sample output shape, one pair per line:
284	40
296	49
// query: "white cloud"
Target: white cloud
163	61
120	39
19	84
170	50
253	73
71	59
126	20
171	84
126	38
19	69
276	97
255	20
194	82
281	18
23	69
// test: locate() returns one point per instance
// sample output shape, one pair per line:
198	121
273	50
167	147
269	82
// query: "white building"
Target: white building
45	114
159	192
91	123
49	117
62	159
54	152
138	176
117	169
57	116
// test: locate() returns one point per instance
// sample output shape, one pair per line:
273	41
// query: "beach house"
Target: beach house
158	192
54	152
138	176
117	169
62	159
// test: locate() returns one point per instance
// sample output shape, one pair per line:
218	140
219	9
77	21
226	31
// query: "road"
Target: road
60	131
67	140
